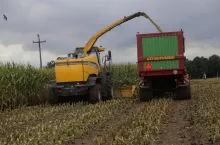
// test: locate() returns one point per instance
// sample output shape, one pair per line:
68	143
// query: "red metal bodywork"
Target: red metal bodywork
142	59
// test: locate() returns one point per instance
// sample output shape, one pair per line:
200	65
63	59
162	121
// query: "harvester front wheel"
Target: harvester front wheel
145	95
95	94
183	93
53	98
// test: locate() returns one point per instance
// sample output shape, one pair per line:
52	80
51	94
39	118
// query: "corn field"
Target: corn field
22	85
125	74
28	120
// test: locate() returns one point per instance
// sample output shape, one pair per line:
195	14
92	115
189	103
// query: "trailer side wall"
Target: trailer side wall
164	52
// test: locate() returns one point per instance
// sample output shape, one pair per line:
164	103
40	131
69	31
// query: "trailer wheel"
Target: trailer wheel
145	95
109	88
183	93
95	94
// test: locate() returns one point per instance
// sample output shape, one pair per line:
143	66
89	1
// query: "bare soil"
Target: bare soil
179	127
102	130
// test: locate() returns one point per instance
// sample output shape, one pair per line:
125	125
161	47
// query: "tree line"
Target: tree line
195	67
200	65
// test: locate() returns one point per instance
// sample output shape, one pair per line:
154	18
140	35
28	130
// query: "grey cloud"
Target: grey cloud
68	24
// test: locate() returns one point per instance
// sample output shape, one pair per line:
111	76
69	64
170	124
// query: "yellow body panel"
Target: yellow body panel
68	73
76	69
91	66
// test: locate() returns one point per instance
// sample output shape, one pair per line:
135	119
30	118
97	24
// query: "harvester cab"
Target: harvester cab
79	51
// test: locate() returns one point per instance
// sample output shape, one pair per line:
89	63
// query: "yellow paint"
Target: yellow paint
63	72
161	58
126	91
133	88
76	72
91	69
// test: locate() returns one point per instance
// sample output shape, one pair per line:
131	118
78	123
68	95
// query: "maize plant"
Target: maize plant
22	85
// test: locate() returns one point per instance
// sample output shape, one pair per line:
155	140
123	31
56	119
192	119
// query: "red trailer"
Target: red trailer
161	65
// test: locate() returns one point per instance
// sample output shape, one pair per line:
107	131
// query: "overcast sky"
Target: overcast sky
65	24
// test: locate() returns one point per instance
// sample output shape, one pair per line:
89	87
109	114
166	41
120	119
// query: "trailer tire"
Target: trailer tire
183	93
145	95
109	88
95	94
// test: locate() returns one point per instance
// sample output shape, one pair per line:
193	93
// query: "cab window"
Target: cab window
98	55
79	50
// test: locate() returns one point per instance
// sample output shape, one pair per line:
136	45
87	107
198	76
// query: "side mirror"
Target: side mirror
109	54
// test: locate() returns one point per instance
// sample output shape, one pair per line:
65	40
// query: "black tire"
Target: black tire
159	93
53	98
109	88
183	93
103	85
145	95
95	94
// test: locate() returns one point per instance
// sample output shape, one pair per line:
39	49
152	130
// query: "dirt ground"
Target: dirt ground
178	127
101	130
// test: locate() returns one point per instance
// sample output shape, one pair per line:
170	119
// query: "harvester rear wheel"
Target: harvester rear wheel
183	93
95	94
145	95
109	88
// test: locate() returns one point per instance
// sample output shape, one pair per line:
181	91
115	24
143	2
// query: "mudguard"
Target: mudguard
92	80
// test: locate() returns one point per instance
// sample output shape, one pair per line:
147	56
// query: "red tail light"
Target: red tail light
58	89
81	89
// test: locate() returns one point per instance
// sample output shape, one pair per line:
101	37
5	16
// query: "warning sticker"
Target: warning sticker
160	58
